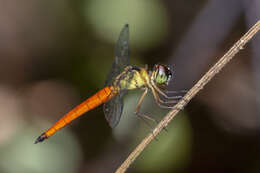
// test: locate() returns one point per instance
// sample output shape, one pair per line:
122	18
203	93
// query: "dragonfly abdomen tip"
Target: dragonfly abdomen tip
40	138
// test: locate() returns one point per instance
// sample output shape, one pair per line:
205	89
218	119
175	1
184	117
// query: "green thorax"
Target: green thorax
132	78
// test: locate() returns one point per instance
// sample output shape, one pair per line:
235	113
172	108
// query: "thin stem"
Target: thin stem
190	94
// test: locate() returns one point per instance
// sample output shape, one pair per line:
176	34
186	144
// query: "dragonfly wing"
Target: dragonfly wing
113	109
121	55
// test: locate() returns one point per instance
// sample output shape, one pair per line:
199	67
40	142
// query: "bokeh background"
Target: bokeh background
55	54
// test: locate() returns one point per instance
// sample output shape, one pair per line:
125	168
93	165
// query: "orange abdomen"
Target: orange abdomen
97	99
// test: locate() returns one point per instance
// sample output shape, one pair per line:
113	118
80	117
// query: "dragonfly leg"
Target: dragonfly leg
167	101
143	116
161	102
146	117
161	105
176	92
165	95
141	101
148	124
137	111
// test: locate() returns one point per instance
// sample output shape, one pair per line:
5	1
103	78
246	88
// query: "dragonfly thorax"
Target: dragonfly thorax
132	78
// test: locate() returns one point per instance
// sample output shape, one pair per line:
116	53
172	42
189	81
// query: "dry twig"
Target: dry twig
192	92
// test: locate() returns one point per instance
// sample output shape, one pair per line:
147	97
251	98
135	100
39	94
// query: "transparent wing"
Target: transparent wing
113	109
121	55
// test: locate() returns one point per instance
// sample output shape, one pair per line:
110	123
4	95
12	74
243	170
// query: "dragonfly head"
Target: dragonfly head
162	74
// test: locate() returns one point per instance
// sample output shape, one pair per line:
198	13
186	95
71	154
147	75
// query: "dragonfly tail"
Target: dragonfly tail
100	97
40	138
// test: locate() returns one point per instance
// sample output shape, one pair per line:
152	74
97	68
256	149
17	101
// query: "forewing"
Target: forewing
113	109
121	55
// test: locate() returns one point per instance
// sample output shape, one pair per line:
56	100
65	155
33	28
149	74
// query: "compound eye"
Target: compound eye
161	71
160	76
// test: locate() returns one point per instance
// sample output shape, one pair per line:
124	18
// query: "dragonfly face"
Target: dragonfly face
161	74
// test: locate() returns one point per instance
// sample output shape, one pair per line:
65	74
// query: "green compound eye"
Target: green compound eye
161	78
163	74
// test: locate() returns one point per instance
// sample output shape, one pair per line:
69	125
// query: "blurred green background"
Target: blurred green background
55	54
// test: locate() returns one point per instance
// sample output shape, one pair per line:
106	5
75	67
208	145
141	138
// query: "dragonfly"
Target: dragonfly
122	78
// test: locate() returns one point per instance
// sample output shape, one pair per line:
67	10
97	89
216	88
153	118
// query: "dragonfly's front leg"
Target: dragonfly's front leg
163	93
160	102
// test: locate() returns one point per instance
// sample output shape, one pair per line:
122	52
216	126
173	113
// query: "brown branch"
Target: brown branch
192	92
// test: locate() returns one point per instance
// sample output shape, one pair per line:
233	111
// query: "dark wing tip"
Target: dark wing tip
40	138
127	25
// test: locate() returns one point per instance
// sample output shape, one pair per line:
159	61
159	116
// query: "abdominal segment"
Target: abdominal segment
97	99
